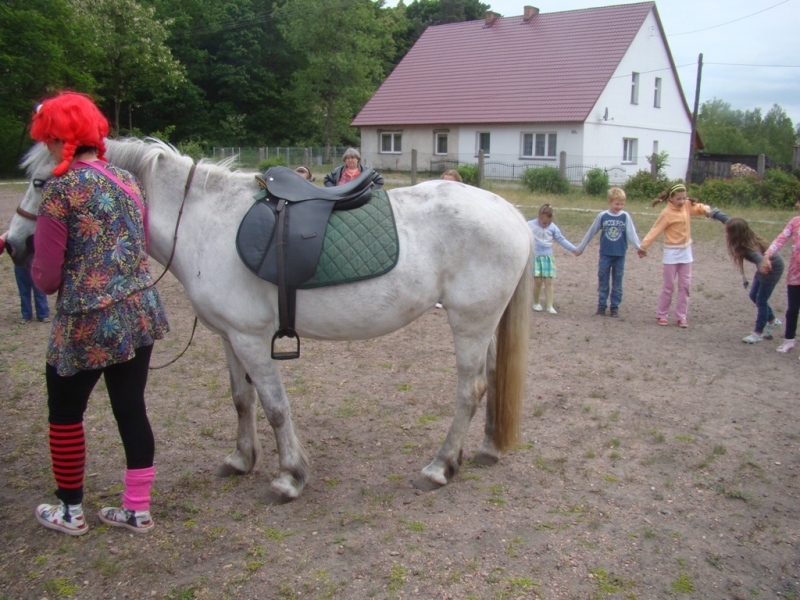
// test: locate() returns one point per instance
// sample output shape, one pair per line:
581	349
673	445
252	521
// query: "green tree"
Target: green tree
343	52
43	48
133	42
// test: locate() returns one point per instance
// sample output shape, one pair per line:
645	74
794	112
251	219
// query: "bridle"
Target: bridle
39	183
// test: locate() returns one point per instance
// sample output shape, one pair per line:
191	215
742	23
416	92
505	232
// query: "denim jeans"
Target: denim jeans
26	287
611	268
759	294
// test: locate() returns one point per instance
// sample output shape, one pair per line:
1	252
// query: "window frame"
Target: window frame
630	150
479	145
634	87
550	140
657	93
396	142
437	135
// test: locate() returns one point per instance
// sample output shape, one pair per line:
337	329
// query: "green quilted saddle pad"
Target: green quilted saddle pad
359	244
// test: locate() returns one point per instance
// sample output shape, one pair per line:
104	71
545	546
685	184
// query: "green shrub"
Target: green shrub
644	187
778	189
595	182
739	191
194	148
545	179
469	174
272	161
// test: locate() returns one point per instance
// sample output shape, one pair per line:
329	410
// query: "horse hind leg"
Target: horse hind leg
489	453
471	386
248	450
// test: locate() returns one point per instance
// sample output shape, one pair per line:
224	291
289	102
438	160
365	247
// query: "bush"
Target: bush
194	148
595	182
739	191
545	179
643	186
272	161
778	189
469	174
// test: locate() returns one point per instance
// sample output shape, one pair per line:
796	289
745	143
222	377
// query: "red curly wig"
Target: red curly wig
73	119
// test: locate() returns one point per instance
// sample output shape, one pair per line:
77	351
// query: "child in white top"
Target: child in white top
544	265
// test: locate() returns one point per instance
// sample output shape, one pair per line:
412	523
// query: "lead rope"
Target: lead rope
169	262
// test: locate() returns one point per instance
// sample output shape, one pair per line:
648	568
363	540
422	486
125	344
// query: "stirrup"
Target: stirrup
288	355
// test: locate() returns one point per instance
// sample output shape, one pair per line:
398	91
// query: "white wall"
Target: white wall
419	138
669	125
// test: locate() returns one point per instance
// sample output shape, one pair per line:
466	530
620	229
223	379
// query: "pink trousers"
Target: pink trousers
683	273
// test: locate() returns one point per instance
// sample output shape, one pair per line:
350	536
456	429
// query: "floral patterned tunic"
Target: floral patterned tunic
107	307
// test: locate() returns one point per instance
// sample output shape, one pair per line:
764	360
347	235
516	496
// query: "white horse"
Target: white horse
466	247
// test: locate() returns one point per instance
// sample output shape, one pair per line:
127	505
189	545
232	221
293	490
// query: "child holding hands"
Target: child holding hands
617	226
676	225
544	265
790	232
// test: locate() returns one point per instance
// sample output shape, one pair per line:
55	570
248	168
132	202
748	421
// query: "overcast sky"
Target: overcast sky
757	39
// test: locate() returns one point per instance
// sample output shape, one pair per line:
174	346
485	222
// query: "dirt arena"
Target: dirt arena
656	462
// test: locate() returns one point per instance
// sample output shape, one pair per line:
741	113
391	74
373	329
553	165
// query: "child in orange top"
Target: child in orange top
676	225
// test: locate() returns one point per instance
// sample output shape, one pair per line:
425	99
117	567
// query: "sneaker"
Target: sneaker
135	520
552	311
67	518
438	305
661	321
601	312
770	327
614	312
683	323
24	321
537	307
752	338
786	346
44	320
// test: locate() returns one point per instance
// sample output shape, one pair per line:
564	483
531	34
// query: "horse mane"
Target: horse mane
36	158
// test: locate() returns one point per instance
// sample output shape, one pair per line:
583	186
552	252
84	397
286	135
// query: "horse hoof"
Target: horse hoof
424	484
484	459
226	470
276	498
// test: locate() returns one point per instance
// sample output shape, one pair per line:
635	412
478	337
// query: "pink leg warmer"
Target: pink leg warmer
137	488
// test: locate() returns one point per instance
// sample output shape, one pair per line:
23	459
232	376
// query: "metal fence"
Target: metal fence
250	157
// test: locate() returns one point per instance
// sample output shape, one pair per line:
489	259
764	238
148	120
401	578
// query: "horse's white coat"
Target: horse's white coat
459	245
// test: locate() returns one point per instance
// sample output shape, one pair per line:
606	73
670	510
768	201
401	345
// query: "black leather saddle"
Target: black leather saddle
280	238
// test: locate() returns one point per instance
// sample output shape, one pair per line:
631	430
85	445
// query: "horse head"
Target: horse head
38	164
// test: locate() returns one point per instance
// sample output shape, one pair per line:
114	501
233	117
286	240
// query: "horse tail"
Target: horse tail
513	336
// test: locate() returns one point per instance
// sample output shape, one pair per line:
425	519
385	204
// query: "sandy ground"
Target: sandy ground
656	462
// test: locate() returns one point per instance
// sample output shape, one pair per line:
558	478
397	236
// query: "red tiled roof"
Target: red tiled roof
552	68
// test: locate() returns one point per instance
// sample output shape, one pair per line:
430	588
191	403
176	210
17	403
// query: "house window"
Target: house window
391	142
484	142
629	147
657	95
634	88
440	143
539	145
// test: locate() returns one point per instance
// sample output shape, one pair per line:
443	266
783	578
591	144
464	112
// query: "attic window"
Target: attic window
391	142
634	88
657	94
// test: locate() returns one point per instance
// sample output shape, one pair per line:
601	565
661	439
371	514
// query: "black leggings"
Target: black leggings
67	398
793	292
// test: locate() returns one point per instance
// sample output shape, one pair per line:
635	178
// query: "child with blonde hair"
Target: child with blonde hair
617	227
544	265
675	222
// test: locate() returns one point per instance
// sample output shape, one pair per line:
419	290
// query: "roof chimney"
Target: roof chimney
491	17
529	13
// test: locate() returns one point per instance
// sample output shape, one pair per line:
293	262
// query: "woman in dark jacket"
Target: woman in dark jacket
349	170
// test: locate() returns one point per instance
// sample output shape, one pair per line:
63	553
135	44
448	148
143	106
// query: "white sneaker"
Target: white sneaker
552	311
135	520
786	346
438	305
537	307
770	327
67	518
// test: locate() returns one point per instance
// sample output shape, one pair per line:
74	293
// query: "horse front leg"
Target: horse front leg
293	463
471	387
248	450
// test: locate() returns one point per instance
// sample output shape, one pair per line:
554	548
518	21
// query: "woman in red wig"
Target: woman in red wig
91	248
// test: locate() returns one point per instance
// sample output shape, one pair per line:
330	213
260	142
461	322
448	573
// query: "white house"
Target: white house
598	84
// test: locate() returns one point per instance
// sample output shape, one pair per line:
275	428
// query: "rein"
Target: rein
32	217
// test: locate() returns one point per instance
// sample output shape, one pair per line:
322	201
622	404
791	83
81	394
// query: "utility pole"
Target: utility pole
694	118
